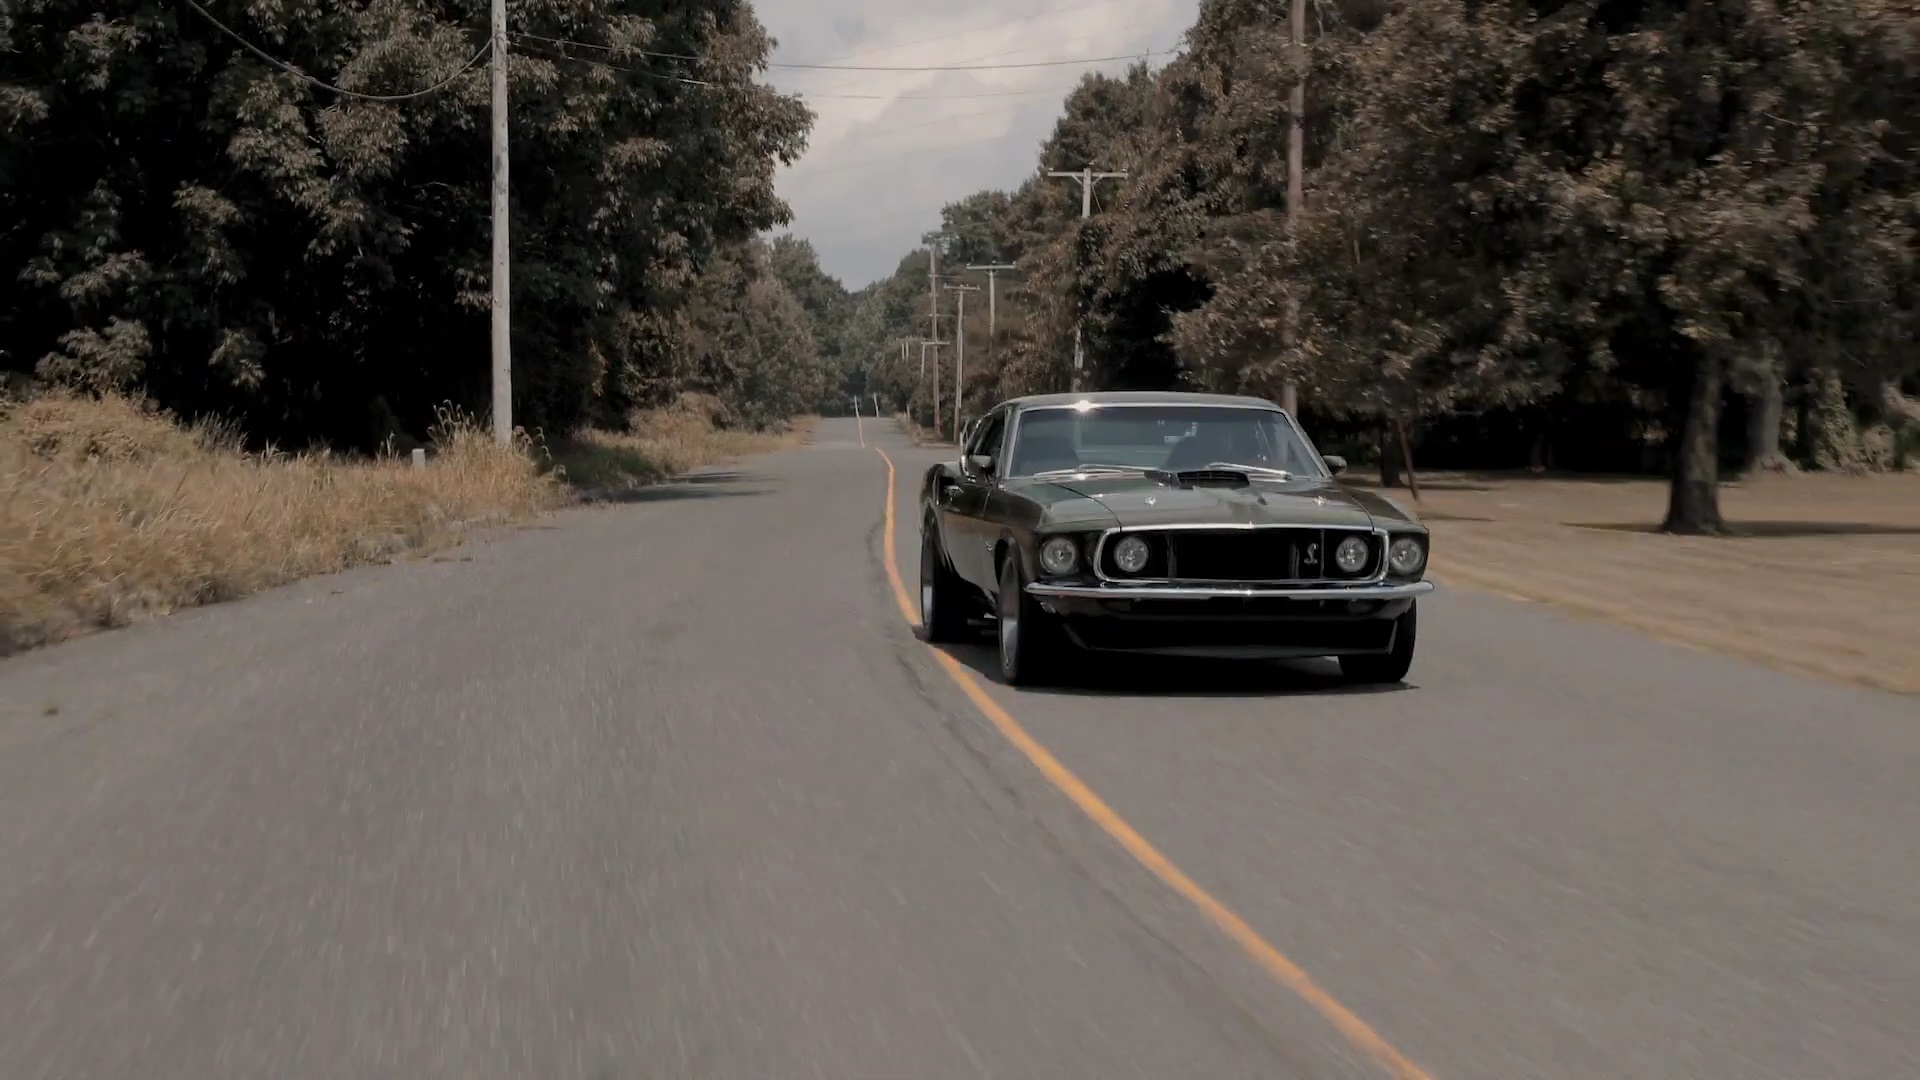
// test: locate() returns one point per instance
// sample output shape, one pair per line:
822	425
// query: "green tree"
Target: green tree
749	341
182	218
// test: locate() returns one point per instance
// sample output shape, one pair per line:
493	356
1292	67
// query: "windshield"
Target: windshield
1171	437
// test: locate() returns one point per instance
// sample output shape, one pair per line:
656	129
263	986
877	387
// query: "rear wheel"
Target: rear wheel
1391	666
943	605
1030	642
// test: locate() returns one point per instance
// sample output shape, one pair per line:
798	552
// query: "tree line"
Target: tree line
1617	235
191	210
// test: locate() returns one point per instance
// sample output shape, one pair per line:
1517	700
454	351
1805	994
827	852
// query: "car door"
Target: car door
970	536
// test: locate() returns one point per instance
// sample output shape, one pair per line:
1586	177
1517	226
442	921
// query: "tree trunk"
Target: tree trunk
1693	504
1803	423
1389	458
1763	427
1405	439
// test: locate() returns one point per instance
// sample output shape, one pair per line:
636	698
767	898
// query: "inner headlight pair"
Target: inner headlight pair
1060	555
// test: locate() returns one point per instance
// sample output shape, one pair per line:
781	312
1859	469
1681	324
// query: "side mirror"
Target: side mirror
981	463
1335	463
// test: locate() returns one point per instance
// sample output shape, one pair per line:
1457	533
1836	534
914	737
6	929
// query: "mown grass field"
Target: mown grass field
1822	578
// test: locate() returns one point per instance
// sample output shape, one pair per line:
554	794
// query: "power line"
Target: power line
999	55
997	27
933	97
799	93
624	50
636	71
341	90
935	150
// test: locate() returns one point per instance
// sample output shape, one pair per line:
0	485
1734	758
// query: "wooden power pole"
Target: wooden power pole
959	351
502	317
1088	178
1296	164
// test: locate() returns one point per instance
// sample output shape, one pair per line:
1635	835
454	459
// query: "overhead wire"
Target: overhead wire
324	85
973	62
886	47
625	50
797	93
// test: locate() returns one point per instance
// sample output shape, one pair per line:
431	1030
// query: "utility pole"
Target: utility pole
959	351
1296	164
993	333
502	321
924	344
935	316
933	286
1088	178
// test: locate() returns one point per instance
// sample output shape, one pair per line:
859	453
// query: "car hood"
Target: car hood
1140	500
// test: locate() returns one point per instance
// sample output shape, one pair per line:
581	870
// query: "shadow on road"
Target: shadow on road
1089	675
722	477
1775	529
675	489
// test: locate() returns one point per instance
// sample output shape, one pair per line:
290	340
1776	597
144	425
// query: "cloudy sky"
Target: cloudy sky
890	148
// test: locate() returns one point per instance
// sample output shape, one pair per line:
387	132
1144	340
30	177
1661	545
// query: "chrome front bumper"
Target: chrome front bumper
1383	591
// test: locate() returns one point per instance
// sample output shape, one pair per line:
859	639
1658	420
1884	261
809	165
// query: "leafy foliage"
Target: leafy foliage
1598	221
181	218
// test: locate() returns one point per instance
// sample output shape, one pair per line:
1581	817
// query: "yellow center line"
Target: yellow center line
1284	971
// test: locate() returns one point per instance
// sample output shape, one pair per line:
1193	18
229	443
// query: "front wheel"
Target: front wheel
1029	641
1391	666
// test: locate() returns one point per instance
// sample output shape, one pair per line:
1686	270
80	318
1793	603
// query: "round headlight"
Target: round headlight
1059	555
1351	555
1130	554
1407	555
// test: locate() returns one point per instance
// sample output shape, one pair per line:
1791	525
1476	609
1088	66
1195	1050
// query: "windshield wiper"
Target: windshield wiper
1077	469
1251	470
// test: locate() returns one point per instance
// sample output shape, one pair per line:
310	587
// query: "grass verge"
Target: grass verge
111	512
1821	578
917	435
663	443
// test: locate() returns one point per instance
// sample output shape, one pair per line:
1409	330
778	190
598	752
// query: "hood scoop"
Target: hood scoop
1193	478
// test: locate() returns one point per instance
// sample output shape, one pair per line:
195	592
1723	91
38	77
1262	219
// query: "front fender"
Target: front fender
929	484
1020	545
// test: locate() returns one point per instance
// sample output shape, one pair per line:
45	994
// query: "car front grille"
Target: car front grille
1277	554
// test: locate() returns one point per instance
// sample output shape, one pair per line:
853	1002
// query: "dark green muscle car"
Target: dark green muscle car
1165	524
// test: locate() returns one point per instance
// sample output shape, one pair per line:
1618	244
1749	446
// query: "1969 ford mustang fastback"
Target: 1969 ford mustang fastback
1166	524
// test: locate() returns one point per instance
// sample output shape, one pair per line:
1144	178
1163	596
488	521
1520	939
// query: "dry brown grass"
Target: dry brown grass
662	443
1825	578
917	435
110	513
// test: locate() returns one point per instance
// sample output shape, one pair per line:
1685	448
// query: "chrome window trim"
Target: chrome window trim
1014	416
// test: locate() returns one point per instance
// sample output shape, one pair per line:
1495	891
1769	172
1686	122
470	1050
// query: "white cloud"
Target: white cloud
890	148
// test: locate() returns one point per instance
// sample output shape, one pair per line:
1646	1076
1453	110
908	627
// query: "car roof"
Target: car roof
1137	397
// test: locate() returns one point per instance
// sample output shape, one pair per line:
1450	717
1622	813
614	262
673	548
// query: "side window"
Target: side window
987	439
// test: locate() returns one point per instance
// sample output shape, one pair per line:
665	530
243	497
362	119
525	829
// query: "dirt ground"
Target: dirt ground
1824	577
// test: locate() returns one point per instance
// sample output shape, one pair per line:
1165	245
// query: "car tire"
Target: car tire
943	605
1388	667
1026	639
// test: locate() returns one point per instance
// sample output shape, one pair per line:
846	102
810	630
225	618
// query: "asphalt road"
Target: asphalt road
670	790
